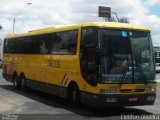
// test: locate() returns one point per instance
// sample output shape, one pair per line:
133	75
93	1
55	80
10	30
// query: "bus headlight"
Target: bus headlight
150	89
109	91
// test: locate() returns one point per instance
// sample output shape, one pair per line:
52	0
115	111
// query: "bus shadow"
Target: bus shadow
85	111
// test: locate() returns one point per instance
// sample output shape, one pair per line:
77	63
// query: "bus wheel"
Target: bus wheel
23	82
15	81
74	97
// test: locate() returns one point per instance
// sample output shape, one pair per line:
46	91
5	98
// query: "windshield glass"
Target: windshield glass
144	70
126	56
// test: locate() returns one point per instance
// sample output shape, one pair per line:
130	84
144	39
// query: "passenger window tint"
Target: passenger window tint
9	45
64	42
51	43
56	43
44	43
28	45
5	46
20	45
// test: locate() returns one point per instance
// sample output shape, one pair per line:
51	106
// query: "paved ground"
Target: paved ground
39	106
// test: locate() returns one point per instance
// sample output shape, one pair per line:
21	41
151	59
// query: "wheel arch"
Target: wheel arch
73	94
22	74
71	85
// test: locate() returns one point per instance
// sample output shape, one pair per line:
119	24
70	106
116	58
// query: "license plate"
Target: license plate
111	100
133	99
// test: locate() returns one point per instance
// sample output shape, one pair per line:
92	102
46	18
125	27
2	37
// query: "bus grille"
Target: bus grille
131	90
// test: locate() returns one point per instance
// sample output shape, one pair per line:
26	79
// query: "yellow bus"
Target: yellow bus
102	64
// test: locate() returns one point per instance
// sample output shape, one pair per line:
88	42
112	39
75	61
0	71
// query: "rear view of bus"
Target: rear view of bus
118	59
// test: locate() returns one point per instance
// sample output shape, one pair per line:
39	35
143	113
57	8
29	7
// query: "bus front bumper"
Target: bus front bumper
117	100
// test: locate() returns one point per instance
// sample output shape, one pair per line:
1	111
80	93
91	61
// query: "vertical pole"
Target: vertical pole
13	24
14	19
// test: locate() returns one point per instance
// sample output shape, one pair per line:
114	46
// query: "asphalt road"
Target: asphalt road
34	105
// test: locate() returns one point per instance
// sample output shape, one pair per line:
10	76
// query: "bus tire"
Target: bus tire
15	81
23	82
74	96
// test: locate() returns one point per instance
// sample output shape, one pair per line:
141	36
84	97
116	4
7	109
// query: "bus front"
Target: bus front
119	65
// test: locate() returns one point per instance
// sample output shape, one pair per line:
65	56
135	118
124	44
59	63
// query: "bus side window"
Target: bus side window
44	43
5	46
56	43
19	46
89	44
10	45
64	42
28	45
41	43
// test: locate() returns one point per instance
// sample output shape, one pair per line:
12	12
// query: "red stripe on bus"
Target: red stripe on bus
63	79
66	82
11	68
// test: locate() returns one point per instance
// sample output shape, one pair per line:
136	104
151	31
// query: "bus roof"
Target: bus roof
71	27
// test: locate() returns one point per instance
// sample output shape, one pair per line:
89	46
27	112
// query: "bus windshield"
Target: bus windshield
126	56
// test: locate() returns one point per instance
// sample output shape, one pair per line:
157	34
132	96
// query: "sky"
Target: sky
46	13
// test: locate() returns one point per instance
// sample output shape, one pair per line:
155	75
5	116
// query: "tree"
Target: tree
122	19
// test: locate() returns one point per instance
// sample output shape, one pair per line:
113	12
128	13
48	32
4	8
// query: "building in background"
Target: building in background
157	58
1	51
157	54
1	48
